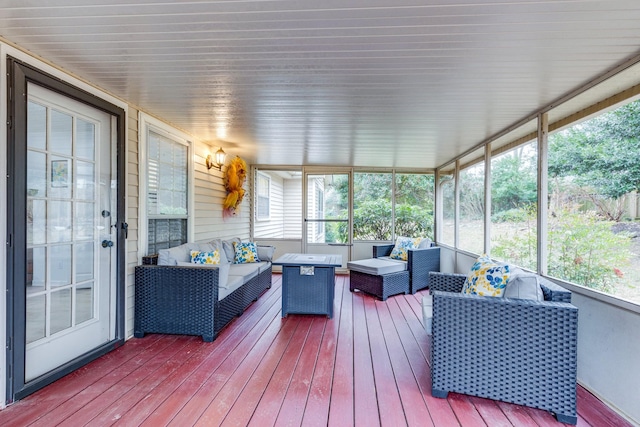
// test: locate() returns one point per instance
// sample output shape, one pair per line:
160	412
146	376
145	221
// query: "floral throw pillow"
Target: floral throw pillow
245	252
487	278
403	244
198	257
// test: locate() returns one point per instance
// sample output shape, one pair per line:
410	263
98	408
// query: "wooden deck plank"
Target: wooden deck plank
295	400
592	409
269	406
341	407
517	415
151	404
248	399
217	378
97	390
389	401
366	412
542	418
466	413
490	412
223	401
411	399
106	409
366	366
413	310
439	409
226	342
94	378
316	412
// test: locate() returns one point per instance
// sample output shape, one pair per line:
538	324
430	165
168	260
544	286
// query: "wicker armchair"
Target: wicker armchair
513	350
420	263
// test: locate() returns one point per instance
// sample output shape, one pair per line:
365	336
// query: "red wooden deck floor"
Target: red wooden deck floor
366	367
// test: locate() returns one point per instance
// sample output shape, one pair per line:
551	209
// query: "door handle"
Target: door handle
125	228
107	243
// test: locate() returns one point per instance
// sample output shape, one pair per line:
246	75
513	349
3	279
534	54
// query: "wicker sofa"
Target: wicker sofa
195	300
514	350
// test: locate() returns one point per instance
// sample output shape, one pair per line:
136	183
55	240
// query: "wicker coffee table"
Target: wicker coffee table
308	282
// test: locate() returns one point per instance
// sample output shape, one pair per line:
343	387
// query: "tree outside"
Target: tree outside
373	206
594	167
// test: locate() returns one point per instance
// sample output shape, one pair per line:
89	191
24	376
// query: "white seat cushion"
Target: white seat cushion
233	283
376	266
246	271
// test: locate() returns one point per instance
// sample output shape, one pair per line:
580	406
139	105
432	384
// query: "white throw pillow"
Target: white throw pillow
523	285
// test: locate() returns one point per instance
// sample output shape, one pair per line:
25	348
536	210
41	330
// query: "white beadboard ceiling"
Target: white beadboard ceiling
378	83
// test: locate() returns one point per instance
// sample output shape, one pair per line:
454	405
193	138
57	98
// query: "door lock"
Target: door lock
107	243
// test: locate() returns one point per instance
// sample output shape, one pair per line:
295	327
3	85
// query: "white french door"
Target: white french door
71	233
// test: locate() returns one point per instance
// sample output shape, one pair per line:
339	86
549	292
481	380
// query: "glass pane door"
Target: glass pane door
68	219
327	214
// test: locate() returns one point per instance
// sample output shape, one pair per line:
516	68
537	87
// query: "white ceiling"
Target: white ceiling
403	83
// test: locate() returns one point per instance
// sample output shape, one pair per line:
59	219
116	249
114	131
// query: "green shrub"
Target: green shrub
372	221
582	249
511	215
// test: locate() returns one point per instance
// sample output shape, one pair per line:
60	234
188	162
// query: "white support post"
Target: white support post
487	199
543	191
437	223
456	209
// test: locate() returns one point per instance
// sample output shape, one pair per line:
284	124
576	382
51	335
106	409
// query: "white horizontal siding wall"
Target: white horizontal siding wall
209	194
273	228
133	214
293	208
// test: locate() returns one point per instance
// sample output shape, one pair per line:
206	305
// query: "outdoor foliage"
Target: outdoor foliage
514	180
601	157
371	221
472	192
582	249
372	215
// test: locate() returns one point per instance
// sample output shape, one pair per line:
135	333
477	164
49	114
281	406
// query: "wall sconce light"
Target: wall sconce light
220	156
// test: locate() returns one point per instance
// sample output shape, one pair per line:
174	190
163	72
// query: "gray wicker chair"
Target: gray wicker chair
518	351
419	264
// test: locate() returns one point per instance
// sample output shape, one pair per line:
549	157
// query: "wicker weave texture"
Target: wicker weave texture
184	300
304	294
165	304
446	282
380	286
420	263
518	351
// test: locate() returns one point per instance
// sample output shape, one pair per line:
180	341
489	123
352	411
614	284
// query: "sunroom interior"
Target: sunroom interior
361	122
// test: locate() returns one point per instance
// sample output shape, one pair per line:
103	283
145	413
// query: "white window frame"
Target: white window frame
266	177
146	124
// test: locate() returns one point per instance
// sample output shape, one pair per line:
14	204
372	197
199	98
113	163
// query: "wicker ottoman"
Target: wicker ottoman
381	286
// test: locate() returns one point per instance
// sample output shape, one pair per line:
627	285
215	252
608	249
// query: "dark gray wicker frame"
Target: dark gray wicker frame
184	300
420	263
382	286
518	351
